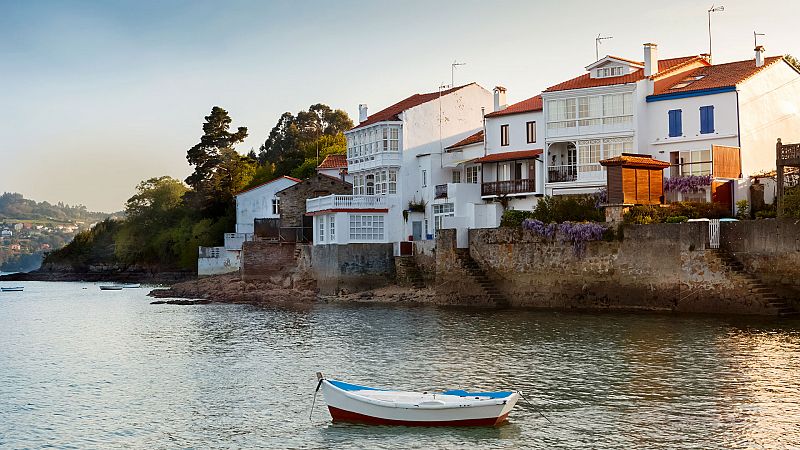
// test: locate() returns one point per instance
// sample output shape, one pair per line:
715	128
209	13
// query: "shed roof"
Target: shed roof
635	160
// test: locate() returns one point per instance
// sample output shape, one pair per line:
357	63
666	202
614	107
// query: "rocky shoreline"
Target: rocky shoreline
231	289
167	278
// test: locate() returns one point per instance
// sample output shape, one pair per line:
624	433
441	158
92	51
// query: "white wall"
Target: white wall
257	204
517	132
335	174
227	262
655	129
769	105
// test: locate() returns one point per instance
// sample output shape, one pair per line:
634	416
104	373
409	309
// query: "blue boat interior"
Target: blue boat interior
461	393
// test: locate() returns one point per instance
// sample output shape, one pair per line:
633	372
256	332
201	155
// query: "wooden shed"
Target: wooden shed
634	179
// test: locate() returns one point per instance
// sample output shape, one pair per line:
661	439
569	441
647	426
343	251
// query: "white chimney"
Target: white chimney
650	59
500	98
362	113
759	56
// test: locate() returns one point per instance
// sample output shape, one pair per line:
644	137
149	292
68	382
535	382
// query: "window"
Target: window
276	206
687	81
503	134
706	119
456	176
589	153
609	72
610	109
472	174
504	172
441	210
531	127
616	146
332	228
424	178
675	125
393	182
363	145
366	227
321	228
695	162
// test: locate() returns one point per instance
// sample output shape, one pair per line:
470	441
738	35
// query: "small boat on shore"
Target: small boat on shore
360	404
110	287
131	286
12	289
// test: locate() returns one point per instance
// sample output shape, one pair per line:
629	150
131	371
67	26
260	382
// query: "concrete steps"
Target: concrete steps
407	265
479	277
757	287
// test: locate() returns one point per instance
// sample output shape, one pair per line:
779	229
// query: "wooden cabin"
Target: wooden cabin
634	179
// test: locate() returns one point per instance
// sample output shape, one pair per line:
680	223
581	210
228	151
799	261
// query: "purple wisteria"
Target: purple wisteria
688	183
578	233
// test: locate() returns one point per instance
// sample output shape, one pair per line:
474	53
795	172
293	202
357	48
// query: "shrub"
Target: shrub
742	210
791	202
568	208
645	214
515	218
766	214
676	219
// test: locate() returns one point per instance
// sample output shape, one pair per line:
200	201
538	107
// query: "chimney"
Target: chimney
650	59
759	56
500	98
362	113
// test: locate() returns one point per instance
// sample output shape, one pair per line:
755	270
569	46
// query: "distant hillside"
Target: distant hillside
15	206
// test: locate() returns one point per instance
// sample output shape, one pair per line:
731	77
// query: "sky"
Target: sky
99	95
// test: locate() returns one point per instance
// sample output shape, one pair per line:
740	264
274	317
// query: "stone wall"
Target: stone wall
769	247
269	261
662	267
293	198
352	268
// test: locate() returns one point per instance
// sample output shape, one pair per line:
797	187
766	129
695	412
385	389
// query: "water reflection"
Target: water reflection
85	369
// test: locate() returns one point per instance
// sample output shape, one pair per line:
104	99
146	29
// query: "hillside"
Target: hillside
14	206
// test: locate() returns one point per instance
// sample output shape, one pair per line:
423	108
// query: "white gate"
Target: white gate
713	233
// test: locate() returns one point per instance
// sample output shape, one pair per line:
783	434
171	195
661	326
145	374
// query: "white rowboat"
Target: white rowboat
361	404
131	286
110	288
12	289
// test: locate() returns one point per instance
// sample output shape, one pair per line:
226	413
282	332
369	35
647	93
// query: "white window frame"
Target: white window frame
332	228
424	175
276	206
504	135
367	227
473	174
530	128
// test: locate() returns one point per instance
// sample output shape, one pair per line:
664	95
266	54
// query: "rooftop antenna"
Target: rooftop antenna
453	70
597	41
755	38
710	10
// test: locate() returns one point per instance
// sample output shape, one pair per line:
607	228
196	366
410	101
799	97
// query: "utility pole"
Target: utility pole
453	70
597	41
710	10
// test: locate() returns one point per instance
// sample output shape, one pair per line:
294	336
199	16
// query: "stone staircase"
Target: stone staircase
479	277
407	270
765	293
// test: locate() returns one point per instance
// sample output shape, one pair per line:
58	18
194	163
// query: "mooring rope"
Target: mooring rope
534	408
314	399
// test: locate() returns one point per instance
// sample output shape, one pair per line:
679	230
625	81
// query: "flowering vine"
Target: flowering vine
578	233
688	183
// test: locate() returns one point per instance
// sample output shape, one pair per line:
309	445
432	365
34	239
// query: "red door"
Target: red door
722	193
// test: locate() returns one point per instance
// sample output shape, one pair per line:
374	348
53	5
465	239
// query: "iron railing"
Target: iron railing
508	187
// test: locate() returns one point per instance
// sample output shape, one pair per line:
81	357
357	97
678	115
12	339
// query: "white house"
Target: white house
396	159
720	120
258	202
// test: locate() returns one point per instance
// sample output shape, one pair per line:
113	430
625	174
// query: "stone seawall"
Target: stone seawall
663	267
769	247
352	268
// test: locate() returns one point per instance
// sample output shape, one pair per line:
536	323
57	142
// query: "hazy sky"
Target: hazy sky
98	95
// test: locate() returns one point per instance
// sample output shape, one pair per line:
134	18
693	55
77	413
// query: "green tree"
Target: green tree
219	171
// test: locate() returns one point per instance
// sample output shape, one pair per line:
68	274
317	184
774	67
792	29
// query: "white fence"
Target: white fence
350	202
713	233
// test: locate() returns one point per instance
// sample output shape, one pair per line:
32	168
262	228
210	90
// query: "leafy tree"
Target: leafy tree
219	171
154	198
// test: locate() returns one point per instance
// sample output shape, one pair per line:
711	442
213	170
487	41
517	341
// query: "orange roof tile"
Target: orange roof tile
715	76
469	140
333	162
531	104
392	112
509	156
635	160
586	81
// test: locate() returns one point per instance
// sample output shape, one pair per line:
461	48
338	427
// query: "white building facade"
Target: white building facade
395	157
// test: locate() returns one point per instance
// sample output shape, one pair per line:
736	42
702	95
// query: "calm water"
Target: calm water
81	368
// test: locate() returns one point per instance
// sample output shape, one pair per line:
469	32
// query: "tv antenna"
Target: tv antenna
755	38
597	41
453	71
710	10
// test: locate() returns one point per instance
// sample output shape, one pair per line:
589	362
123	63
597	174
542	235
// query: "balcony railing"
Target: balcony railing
560	174
349	202
440	191
508	187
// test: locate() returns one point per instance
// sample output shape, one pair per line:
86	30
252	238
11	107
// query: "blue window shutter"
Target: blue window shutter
706	119
675	123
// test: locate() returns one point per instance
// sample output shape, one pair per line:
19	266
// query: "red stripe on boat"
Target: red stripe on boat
340	415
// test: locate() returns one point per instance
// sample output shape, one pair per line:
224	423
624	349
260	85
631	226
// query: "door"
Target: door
722	193
416	230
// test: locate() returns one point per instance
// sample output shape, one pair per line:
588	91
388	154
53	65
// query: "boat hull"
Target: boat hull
350	407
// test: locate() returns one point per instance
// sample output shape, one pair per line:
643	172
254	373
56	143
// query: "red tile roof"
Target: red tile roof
333	162
716	76
392	113
635	160
586	81
469	140
531	104
296	180
509	156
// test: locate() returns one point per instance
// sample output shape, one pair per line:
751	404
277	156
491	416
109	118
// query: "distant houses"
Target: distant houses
460	156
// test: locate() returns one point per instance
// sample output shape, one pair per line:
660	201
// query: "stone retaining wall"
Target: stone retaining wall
769	247
353	267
